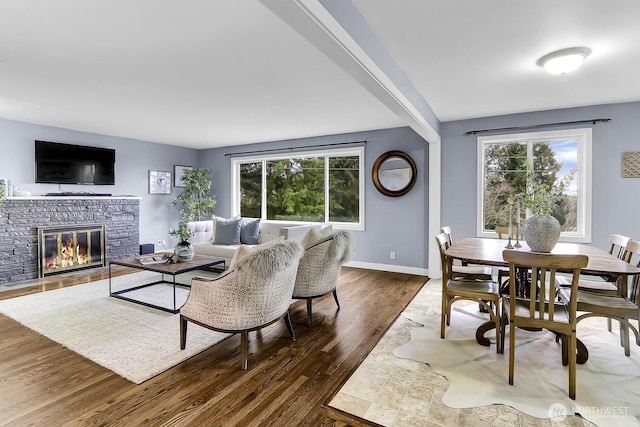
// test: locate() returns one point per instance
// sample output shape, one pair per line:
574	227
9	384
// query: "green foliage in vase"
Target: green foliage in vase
196	199
542	198
182	232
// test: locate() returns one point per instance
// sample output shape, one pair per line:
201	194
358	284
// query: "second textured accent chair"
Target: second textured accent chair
320	267
253	294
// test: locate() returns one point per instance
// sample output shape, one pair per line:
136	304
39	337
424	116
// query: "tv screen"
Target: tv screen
58	163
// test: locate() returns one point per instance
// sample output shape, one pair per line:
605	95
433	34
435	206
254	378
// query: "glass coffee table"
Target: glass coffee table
199	262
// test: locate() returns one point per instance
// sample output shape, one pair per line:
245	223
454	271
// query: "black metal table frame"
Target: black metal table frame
118	294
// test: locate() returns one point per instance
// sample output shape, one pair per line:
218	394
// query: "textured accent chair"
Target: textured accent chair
255	293
320	267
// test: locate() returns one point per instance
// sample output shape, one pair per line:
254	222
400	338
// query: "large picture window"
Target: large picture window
507	164
318	186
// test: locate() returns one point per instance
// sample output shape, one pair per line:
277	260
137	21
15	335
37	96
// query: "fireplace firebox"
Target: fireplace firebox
65	248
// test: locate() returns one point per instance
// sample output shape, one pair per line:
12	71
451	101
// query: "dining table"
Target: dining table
488	251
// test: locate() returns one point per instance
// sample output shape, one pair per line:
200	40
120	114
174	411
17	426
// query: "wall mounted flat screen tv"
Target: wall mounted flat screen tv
58	163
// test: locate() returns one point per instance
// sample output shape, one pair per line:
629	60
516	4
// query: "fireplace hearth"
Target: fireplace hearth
66	248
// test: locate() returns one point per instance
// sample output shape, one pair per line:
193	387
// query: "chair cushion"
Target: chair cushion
472	269
488	287
244	251
560	313
249	230
313	236
227	231
590	285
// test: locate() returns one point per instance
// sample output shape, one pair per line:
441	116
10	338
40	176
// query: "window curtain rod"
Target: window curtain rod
274	150
542	125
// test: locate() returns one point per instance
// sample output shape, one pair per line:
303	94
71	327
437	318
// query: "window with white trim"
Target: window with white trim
561	159
313	186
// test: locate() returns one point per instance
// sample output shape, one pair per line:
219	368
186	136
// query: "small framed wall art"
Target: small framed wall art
159	182
178	172
631	164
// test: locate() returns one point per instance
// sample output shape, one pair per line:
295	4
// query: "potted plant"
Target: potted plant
196	199
197	204
184	250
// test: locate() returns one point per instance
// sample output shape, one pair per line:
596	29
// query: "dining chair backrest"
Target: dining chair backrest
446	229
503	233
632	256
617	245
543	267
442	240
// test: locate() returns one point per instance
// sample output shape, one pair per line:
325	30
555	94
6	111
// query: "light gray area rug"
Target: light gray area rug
131	340
608	385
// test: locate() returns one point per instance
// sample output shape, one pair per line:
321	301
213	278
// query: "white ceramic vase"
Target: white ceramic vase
541	232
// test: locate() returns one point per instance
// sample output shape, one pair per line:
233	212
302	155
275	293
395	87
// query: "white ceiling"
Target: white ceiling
210	73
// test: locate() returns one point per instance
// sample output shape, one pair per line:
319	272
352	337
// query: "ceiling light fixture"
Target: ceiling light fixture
564	60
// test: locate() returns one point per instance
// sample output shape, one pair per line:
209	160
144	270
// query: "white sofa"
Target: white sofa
269	230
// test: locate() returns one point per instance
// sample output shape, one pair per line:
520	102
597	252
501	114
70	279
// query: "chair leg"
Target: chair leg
512	350
244	346
183	332
497	321
287	321
335	297
443	315
503	326
309	304
572	364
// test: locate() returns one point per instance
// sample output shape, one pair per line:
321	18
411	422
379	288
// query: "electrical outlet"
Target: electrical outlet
392	255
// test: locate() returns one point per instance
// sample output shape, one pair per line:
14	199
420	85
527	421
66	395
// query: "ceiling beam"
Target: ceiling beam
314	22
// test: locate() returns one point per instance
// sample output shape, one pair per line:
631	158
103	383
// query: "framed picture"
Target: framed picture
159	182
178	172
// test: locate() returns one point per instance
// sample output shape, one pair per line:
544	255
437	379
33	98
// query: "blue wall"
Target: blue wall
134	159
616	200
391	224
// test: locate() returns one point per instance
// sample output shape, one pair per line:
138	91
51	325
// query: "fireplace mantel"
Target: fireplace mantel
24	215
78	197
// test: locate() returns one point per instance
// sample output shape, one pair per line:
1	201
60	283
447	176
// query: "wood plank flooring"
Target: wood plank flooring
287	384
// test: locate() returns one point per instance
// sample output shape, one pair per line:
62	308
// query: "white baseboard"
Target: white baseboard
388	267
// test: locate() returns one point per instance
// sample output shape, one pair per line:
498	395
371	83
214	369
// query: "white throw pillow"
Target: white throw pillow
244	251
313	236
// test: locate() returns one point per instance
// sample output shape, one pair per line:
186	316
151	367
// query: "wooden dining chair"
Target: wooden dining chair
622	306
467	271
543	311
597	283
484	292
503	234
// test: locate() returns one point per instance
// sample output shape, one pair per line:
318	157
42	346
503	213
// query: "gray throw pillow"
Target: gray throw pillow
227	231
249	229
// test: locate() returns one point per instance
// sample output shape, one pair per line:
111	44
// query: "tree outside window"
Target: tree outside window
308	187
514	164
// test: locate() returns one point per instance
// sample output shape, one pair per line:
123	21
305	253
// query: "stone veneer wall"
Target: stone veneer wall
22	217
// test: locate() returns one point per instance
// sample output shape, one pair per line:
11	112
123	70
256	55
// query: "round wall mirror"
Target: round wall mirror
394	173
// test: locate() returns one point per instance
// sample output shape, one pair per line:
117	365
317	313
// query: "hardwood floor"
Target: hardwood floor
287	384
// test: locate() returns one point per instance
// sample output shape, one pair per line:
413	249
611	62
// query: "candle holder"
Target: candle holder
509	245
517	245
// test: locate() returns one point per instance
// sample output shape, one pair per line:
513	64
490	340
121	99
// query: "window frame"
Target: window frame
583	136
340	152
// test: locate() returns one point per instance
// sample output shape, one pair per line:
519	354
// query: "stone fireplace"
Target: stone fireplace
62	249
25	217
